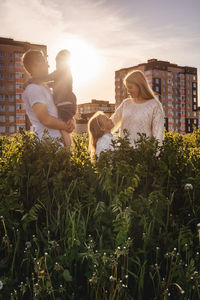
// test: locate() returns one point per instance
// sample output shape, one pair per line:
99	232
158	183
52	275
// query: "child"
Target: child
100	138
64	98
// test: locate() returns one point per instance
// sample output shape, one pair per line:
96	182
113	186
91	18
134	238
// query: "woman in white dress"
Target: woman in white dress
141	112
100	136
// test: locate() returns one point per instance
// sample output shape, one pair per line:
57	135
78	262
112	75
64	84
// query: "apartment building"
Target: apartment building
176	88
86	110
96	105
12	76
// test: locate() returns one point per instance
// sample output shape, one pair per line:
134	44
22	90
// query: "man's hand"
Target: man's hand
70	125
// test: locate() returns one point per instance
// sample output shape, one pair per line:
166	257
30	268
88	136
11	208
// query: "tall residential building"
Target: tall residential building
12	76
176	88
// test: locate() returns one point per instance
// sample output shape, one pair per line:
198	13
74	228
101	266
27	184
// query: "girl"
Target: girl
141	112
100	138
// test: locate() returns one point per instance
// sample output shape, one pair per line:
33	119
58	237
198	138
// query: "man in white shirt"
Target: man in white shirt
38	99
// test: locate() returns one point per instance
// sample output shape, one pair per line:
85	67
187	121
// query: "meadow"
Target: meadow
125	227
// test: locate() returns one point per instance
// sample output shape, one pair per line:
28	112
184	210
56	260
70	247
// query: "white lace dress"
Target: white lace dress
146	117
104	143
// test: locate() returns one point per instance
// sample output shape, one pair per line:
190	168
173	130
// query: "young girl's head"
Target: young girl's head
62	59
138	86
98	125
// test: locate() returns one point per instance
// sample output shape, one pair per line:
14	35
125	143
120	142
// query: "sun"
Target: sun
84	60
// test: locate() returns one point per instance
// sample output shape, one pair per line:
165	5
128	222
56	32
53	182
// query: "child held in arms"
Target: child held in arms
61	82
100	137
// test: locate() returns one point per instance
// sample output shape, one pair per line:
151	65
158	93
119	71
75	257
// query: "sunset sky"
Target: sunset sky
106	35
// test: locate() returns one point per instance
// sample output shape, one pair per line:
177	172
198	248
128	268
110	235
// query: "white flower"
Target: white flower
188	186
1	285
28	245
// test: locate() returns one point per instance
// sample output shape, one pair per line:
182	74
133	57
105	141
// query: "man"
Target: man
38	99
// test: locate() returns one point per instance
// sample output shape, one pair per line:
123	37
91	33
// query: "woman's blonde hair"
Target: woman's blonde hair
95	130
137	77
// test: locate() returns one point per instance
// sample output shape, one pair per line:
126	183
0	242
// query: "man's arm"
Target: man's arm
49	121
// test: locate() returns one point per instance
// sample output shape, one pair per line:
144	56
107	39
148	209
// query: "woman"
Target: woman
141	112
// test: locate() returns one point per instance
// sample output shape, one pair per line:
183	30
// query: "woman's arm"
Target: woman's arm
117	116
158	124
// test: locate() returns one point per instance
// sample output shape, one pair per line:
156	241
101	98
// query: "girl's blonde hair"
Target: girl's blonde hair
137	77
95	130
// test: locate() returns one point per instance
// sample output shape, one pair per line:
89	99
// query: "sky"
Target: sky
106	35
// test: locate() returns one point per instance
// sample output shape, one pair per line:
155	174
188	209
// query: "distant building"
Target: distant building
176	88
12	76
86	110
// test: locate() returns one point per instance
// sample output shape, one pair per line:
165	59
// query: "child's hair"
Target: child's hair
63	54
95	131
137	77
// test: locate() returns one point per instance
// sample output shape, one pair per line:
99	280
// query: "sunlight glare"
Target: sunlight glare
84	60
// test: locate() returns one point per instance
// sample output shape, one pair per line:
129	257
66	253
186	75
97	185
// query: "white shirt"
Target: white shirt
104	143
146	117
35	93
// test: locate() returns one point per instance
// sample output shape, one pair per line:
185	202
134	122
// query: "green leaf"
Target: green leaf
67	275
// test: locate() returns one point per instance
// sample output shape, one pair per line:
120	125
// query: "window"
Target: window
11	119
194	113
2	108
157	81
18	96
157	89
194	78
2	118
20	127
2	129
22	106
2	76
10	67
19	75
2	97
11	77
194	84
18	55
12	129
10	55
19	86
22	117
2	86
2	66
2	54
194	92
11	87
195	121
18	65
194	106
11	108
11	98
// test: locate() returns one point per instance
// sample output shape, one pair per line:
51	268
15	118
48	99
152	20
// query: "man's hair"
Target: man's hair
29	58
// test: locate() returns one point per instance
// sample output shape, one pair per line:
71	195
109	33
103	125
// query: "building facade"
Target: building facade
96	105
12	76
86	110
176	88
